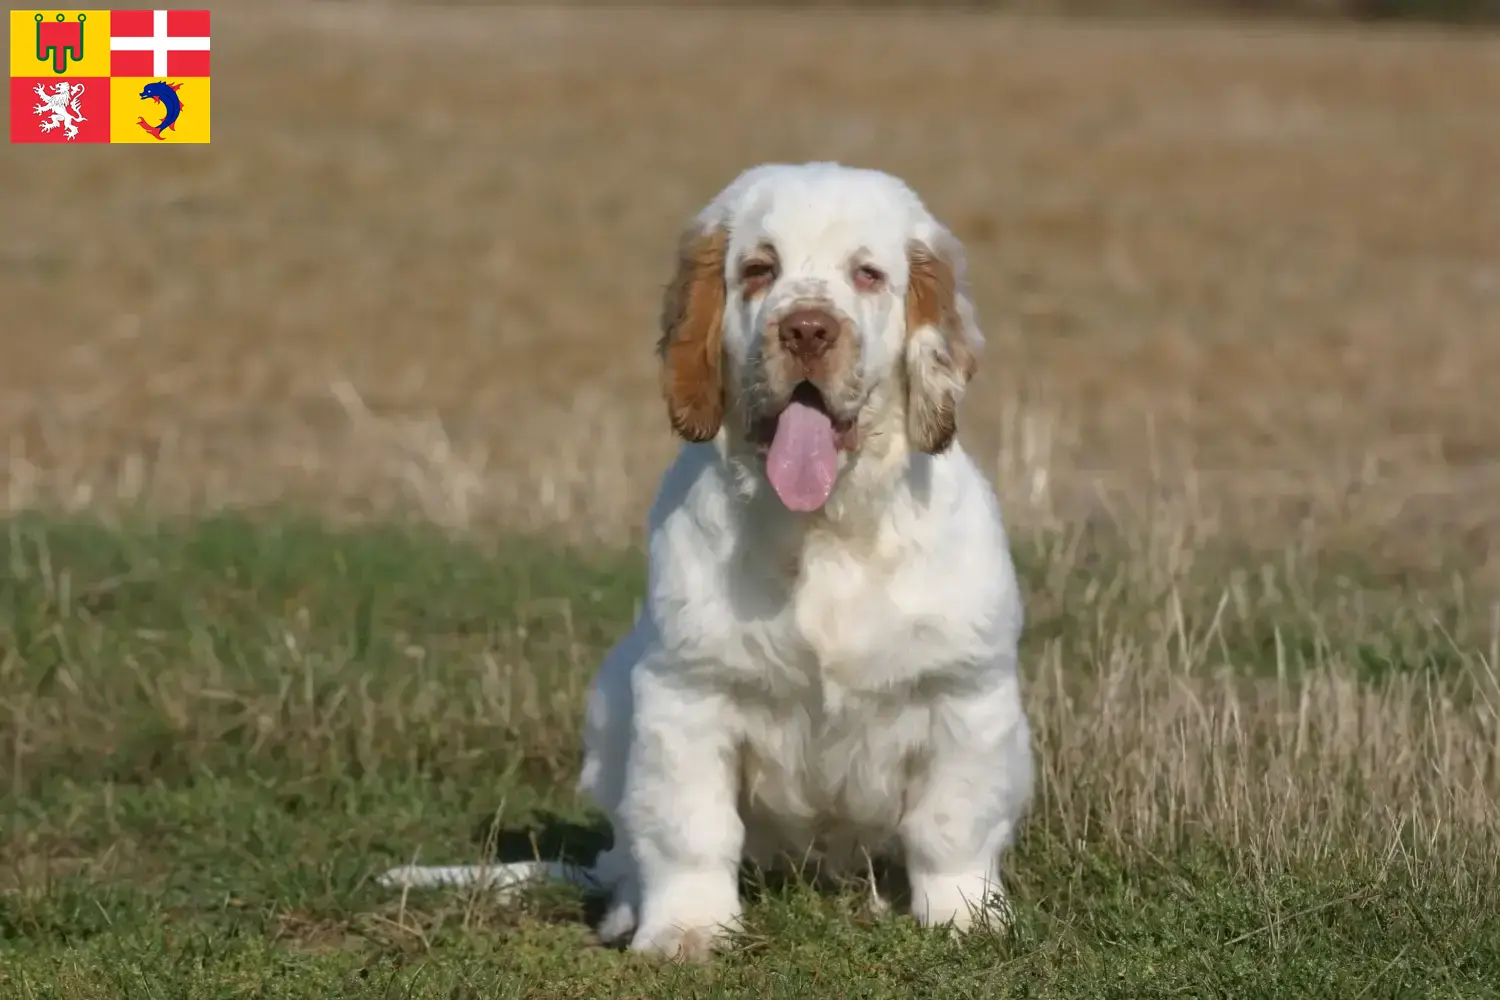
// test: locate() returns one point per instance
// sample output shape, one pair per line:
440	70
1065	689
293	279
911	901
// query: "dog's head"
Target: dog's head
818	312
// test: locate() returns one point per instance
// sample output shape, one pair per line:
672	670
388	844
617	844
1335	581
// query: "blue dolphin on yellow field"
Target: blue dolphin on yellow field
165	94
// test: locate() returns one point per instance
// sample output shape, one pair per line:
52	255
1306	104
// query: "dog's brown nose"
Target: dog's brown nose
807	333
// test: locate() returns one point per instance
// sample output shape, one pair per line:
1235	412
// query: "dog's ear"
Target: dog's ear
942	341
691	345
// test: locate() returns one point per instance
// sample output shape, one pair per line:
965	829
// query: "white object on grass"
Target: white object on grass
506	879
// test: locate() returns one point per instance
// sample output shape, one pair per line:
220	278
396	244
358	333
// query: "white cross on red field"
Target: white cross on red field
158	42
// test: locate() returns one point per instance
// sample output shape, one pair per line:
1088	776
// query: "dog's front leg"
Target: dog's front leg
968	806
680	806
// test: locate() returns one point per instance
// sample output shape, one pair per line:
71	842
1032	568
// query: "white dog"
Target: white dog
826	659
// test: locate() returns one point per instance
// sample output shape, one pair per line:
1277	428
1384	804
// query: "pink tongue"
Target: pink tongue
803	461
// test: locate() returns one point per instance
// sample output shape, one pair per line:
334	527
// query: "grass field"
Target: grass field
328	446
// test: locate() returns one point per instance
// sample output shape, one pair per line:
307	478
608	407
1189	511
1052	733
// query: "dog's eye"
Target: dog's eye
757	274
868	277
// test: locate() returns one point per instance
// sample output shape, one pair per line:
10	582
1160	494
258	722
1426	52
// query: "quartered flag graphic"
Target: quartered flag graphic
80	76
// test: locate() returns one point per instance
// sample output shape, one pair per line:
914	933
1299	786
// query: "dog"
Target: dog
826	660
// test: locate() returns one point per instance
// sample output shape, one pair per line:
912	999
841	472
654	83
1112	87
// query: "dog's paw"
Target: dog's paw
960	904
679	944
687	915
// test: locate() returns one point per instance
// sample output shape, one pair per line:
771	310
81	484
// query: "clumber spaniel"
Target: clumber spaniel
826	658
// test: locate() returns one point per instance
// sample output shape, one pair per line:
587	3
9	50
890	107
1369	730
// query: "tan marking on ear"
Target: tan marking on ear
691	344
933	389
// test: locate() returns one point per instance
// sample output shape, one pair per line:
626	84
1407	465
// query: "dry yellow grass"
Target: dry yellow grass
1242	288
421	259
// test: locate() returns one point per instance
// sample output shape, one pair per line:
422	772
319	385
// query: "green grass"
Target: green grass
213	734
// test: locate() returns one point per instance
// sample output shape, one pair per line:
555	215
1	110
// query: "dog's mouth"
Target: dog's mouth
801	446
763	429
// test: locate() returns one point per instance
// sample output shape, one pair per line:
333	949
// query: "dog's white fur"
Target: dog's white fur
845	681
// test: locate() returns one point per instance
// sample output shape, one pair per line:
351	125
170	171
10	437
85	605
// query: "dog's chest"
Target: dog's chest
842	629
837	722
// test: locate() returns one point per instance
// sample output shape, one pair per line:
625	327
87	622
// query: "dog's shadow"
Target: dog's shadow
548	836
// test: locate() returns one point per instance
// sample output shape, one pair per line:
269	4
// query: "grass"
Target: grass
219	729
